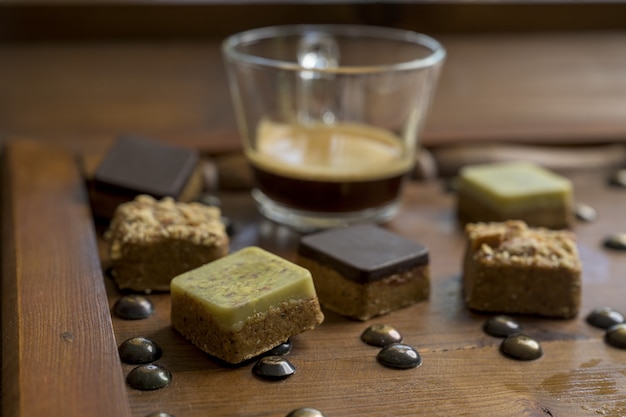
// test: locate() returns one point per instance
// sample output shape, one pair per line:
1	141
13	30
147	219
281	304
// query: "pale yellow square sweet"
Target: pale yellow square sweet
514	191
244	304
515	184
242	284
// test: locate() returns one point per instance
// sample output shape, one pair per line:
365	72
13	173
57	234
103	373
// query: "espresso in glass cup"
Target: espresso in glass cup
330	117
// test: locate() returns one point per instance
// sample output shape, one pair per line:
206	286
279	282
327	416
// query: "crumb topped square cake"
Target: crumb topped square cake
151	241
512	268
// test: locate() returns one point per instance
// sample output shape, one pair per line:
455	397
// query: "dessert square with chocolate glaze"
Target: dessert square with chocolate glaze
136	165
365	271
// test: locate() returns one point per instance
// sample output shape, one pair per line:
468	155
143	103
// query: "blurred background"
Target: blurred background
78	73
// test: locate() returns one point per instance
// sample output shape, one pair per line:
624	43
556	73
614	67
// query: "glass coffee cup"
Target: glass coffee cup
330	117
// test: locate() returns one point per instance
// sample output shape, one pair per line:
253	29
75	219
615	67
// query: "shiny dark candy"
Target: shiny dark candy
604	317
616	241
451	185
133	307
616	336
585	212
618	178
501	326
273	367
210	200
229	225
109	273
399	356
149	377
521	347
138	350
305	412
282	349
381	335
159	414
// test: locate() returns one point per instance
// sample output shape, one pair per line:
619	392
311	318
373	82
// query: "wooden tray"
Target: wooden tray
59	341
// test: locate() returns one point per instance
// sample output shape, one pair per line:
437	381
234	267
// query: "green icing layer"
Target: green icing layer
515	185
244	283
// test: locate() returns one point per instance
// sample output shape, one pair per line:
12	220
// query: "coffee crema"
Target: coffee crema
331	168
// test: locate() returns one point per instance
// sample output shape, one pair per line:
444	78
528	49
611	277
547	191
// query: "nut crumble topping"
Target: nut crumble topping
513	242
146	219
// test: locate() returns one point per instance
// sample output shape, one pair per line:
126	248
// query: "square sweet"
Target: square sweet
365	271
152	241
514	191
512	268
244	304
136	165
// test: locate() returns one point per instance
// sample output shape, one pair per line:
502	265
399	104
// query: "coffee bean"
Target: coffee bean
451	185
280	350
604	317
149	377
585	212
522	347
273	367
616	336
229	225
109	272
138	350
501	326
210	200
159	414
133	307
616	241
618	178
381	335
399	356
305	412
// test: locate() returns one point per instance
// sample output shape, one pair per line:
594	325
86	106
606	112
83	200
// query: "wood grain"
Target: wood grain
132	19
58	344
59	357
463	372
542	88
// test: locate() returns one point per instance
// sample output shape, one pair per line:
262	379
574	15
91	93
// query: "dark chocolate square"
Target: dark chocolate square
136	165
363	253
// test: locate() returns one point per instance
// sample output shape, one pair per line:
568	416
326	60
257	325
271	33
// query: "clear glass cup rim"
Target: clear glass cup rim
438	52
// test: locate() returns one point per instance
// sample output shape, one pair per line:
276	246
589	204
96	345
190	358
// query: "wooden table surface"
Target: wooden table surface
59	339
552	87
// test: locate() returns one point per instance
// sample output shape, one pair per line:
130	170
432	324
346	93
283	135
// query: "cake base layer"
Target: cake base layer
151	267
362	301
259	333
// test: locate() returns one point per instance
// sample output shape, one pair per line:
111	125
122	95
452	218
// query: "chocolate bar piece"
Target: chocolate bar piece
365	271
135	165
